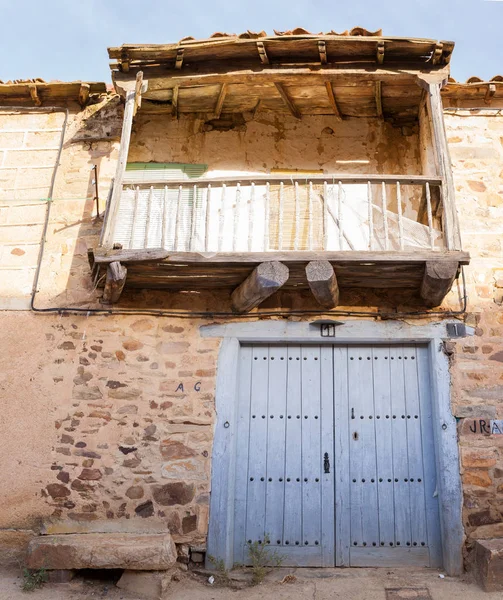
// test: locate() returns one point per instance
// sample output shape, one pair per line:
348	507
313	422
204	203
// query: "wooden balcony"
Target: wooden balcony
362	231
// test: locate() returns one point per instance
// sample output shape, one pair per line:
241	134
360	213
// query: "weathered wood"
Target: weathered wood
220	100
490	92
84	92
264	59
380	52
277	178
379	99
34	95
121	166
322	50
104	255
174	102
323	283
137	92
179	58
437	53
443	163
332	100
114	283
264	280
287	100
437	281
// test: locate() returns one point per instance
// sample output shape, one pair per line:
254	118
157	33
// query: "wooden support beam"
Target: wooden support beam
220	101
332	100
323	283
264	59
437	53
437	281
179	58
174	102
137	92
114	283
263	281
379	99
380	53
322	50
491	90
287	100
127	123
34	95
443	162
84	94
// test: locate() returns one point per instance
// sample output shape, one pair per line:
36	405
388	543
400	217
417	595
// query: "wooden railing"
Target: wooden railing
271	213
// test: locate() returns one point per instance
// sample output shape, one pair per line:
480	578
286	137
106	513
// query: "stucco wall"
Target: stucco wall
108	420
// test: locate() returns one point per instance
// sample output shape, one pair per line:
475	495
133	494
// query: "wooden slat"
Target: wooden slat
287	100
174	102
329	177
332	100
220	100
102	255
264	59
378	95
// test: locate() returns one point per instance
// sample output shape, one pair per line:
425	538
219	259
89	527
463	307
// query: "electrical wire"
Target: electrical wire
190	314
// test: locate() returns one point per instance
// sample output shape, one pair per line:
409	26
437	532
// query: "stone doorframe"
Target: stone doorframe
221	526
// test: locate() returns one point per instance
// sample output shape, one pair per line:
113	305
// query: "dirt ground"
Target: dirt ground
311	584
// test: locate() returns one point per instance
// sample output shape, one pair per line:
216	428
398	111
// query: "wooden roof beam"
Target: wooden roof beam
220	100
179	58
437	53
264	59
332	100
287	100
137	92
380	53
84	91
491	90
322	50
378	94
34	95
323	283
262	282
174	102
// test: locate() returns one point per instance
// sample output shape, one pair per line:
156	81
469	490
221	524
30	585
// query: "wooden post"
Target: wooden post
121	164
323	282
443	162
262	282
115	281
437	281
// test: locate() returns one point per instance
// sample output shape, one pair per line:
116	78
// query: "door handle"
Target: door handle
326	463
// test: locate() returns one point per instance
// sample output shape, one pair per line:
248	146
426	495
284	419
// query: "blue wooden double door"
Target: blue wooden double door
335	460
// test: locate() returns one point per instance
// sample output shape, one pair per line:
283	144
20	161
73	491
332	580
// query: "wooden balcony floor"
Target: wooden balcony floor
186	271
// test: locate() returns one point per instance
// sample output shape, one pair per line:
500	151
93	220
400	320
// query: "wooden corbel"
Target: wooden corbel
264	59
179	58
380	53
490	91
34	95
114	283
84	94
322	51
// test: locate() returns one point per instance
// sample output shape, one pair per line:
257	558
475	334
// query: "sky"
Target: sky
68	39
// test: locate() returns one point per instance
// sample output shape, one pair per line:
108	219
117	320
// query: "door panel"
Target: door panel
367	410
289	498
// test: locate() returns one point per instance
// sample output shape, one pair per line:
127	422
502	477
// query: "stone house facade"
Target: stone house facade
116	404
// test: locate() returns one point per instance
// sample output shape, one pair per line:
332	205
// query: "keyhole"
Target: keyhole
355	436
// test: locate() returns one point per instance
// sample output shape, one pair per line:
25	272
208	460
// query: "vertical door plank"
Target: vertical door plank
429	483
292	529
341	457
275	477
384	443
311	447
400	456
364	508
327	446
243	434
255	516
414	447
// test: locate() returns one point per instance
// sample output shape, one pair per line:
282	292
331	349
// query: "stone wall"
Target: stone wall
108	419
476	144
